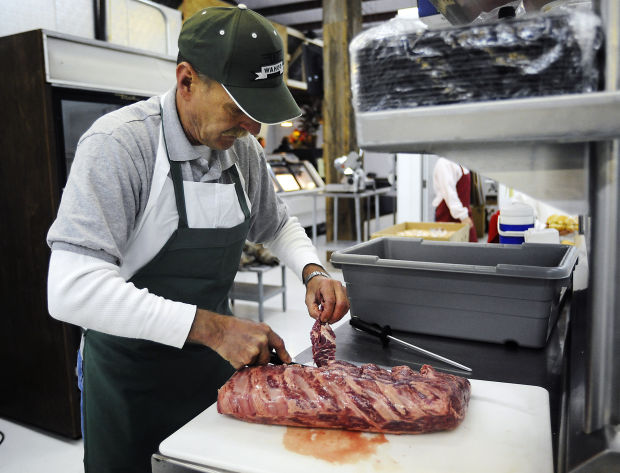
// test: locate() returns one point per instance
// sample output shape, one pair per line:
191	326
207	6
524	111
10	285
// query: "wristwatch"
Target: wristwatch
313	274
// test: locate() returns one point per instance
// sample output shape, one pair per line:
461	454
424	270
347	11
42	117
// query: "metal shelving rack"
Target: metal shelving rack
563	150
259	292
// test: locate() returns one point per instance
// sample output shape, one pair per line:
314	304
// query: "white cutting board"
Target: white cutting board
506	430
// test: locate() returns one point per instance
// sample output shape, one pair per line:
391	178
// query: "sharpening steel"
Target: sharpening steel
385	334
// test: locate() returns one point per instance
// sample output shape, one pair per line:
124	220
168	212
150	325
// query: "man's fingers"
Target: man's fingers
263	356
247	343
251	356
341	306
325	297
261	344
276	342
328	302
313	305
315	310
236	365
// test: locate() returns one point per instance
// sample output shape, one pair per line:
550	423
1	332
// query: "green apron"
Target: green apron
138	392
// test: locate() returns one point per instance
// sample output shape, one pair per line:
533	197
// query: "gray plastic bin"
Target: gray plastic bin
487	292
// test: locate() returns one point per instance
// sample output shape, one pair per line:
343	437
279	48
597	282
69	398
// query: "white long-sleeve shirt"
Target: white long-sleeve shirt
90	292
445	176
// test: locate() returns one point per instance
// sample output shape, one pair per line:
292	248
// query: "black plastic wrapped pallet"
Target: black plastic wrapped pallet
523	57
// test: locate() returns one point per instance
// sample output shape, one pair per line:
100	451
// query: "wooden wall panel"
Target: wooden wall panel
342	20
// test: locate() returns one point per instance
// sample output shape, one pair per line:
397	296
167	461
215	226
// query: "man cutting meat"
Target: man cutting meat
159	202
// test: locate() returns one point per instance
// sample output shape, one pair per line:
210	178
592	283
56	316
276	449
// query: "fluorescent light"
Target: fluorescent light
286	124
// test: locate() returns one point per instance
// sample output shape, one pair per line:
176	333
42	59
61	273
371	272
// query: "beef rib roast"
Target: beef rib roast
337	394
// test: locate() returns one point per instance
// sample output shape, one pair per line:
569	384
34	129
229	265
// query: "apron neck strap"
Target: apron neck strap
177	177
179	194
234	175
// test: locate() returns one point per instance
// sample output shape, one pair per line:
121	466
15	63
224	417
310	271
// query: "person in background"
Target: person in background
452	184
261	141
284	147
160	200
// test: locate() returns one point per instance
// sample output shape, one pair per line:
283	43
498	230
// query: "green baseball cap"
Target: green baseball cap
241	50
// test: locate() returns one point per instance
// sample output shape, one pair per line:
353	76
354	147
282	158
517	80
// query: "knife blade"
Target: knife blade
385	335
274	359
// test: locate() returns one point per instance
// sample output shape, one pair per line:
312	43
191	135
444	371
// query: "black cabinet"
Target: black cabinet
41	124
37	353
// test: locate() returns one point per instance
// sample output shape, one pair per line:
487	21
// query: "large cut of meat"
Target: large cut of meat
344	396
323	341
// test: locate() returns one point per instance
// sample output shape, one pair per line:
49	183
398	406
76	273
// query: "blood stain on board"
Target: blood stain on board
334	446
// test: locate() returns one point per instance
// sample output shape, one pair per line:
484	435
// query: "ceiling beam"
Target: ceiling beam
317	25
292	7
384	16
289	8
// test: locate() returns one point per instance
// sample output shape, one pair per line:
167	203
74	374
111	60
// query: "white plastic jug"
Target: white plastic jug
513	222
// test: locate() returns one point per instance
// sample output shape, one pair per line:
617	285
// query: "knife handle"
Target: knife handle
374	329
274	359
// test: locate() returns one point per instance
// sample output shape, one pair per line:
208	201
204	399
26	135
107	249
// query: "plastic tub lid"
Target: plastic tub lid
517	209
517	213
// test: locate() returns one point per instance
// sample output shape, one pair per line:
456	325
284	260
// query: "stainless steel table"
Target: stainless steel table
357	196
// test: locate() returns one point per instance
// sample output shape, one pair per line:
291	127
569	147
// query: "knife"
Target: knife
385	334
274	359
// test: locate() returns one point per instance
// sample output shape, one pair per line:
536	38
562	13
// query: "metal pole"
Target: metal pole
335	218
261	295
358	226
99	14
376	212
283	288
314	196
603	362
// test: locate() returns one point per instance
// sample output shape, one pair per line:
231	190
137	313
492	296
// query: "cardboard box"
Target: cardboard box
436	231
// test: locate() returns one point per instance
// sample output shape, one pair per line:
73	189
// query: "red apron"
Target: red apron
463	190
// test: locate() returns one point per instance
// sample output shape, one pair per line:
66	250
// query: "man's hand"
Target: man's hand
326	298
240	342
